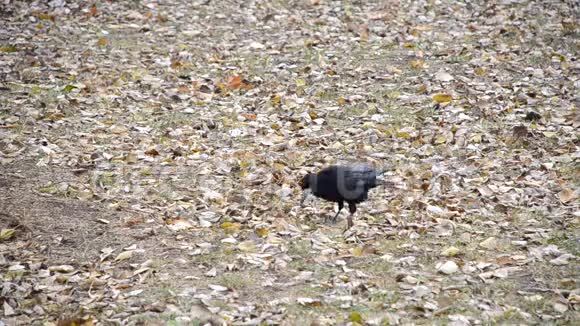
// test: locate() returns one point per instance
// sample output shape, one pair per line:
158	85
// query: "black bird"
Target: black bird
341	184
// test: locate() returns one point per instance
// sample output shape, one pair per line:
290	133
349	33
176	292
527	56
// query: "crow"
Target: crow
340	184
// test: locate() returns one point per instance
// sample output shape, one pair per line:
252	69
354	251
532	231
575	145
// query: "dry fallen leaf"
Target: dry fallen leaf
6	234
442	98
449	267
124	255
489	243
567	195
444	77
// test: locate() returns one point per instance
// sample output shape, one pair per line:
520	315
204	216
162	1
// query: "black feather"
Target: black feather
340	184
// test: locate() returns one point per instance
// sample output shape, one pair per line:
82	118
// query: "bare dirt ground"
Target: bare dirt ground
149	154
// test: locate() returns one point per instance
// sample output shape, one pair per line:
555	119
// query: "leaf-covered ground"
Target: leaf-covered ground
149	154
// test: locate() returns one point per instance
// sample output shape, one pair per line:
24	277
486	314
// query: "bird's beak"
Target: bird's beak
305	194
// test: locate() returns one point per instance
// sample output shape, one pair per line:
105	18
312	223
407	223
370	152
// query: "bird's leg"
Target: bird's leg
340	207
352	209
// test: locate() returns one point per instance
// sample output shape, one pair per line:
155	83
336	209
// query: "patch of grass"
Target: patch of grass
174	120
565	239
299	248
301	315
299	264
221	255
306	290
104	179
570	171
503	287
237	280
538	60
536	306
384	296
164	293
510	316
391	246
375	266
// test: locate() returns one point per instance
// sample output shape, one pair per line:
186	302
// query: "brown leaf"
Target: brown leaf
249	116
566	195
520	131
235	82
93	12
152	152
417	64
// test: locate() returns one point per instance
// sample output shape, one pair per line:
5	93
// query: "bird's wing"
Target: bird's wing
357	175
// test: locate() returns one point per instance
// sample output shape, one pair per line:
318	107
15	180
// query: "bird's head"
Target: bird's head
305	181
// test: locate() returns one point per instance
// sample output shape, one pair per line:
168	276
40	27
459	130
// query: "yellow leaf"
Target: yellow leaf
276	100
451	252
6	234
102	42
46	17
442	98
356	317
357	252
404	135
393	95
230	227
395	203
440	140
300	82
476	138
417	64
480	71
262	232
8	49
124	255
247	246
549	134
341	101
